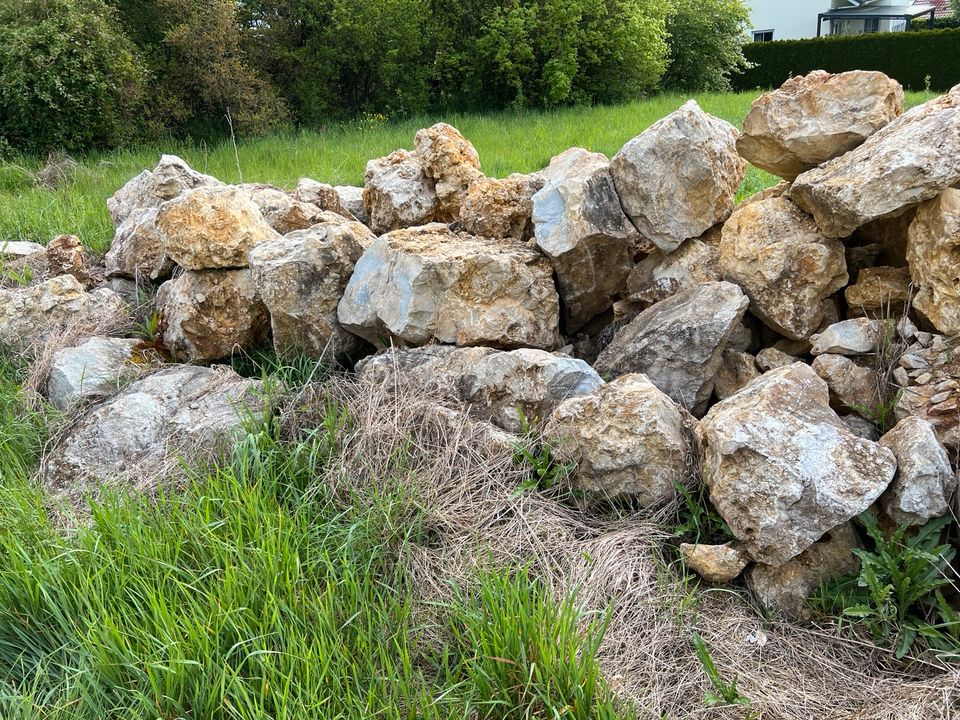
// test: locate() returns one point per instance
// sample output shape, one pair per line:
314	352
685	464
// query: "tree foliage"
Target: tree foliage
706	44
69	78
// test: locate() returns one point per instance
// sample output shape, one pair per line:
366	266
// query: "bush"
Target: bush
706	44
913	58
69	77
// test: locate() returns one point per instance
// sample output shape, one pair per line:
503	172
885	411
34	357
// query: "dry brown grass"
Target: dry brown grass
461	476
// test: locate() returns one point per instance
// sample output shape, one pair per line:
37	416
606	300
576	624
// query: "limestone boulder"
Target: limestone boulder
282	211
429	283
209	315
301	278
151	188
351	198
925	483
816	117
67	256
661	274
580	226
715	563
932	251
784	590
138	251
626	438
784	264
679	342
857	336
500	208
93	370
783	469
879	291
679	177
140	432
30	314
913	159
328	198
451	161
397	193
496	385
212	228
19	249
854	385
737	370
772	358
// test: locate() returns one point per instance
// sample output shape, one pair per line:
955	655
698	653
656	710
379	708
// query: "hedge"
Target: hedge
916	59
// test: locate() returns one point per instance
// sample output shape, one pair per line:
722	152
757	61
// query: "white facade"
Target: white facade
787	19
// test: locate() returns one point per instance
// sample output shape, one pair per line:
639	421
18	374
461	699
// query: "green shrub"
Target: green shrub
706	44
69	78
913	58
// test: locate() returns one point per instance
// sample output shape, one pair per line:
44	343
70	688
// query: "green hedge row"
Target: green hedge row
915	59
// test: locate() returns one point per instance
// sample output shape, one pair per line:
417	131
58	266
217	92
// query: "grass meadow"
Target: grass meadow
359	555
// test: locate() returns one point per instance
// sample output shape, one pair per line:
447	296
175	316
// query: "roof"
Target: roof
882	11
942	6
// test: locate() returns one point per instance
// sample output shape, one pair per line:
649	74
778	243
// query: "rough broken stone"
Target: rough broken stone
138	251
861	427
140	432
925	482
212	228
679	177
16	249
151	188
91	371
736	371
209	315
772	358
501	208
783	263
67	256
679	342
932	251
625	438
282	211
783	469
429	283
351	198
329	198
785	589
929	378
852	384
816	117
495	385
397	193
300	279
858	336
451	161
913	159
715	563
580	226
879	291
662	274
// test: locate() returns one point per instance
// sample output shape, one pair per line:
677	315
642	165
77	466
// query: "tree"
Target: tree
706	44
69	77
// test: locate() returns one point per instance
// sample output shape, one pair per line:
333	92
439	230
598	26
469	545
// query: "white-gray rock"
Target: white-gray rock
783	469
16	249
679	177
351	197
397	193
138	251
859	336
151	188
91	371
925	482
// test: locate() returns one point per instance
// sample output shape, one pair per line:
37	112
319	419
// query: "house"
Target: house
794	19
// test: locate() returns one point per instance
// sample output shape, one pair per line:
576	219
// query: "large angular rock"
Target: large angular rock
783	469
580	226
151	188
397	193
715	563
785	589
210	315
19	249
138	251
428	283
783	263
495	385
451	161
91	371
283	212
816	117
351	198
500	208
329	198
679	177
625	438
857	336
212	228
67	256
932	251
30	314
662	274
679	342
300	279
913	159
879	291
925	482
852	384
140	432
737	370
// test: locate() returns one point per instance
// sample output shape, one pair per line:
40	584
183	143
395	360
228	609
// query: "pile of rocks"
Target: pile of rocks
655	327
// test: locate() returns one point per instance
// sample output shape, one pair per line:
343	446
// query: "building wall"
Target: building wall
789	19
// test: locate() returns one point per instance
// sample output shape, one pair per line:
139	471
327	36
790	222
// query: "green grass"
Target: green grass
507	143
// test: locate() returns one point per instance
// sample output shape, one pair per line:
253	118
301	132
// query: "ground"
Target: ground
359	555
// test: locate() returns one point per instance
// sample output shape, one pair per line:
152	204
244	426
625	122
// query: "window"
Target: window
763	35
871	25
